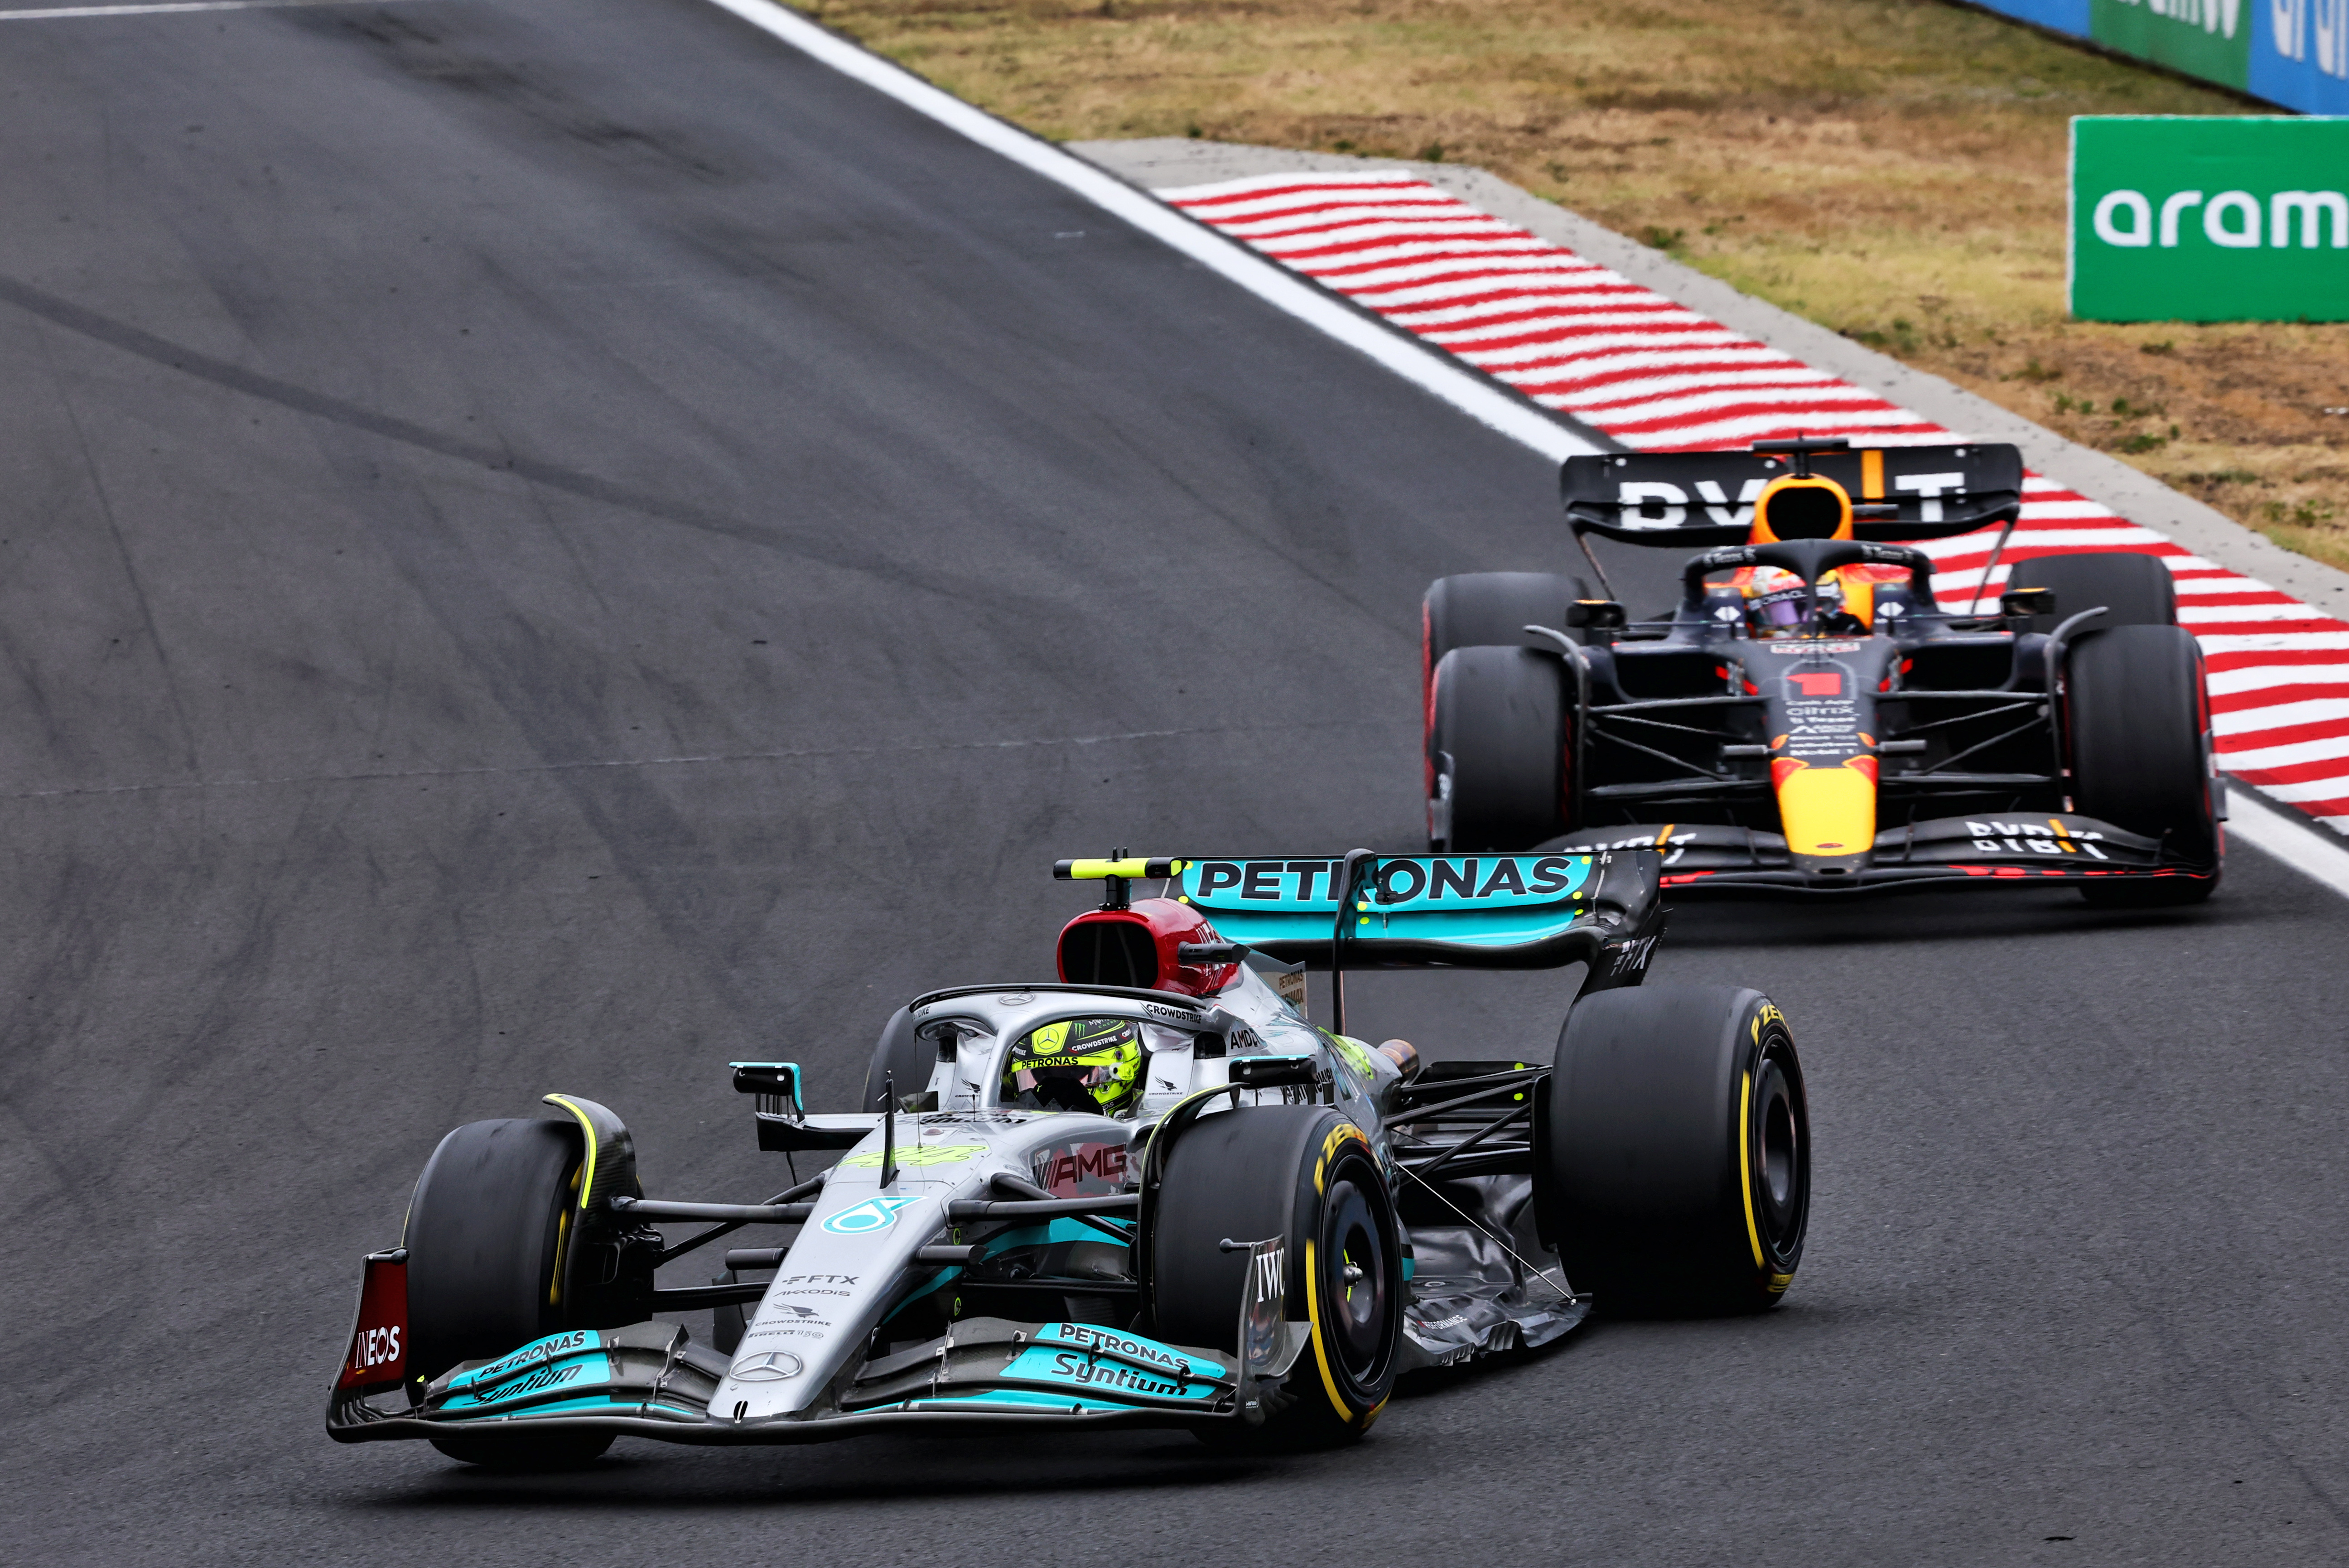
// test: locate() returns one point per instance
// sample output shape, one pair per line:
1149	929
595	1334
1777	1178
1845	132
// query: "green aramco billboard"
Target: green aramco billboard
2210	218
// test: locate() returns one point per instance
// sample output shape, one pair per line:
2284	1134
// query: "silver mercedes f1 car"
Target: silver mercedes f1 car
1154	1193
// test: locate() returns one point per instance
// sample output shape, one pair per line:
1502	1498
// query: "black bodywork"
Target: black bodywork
1685	729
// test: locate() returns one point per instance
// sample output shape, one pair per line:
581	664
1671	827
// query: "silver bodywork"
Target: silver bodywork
854	1260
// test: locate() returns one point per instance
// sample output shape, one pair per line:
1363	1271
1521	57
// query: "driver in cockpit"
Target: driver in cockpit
1078	1065
1849	599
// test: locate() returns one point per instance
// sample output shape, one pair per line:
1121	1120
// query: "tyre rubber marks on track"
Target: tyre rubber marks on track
1660	377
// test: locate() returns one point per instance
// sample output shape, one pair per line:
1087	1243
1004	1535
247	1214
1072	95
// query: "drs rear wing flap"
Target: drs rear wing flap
1700	499
1437	912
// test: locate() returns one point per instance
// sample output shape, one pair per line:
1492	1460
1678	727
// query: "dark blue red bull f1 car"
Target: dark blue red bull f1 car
1810	716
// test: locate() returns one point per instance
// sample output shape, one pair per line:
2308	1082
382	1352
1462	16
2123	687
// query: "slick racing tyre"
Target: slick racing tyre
2137	726
1479	608
485	1234
1675	1163
1499	749
1306	1174
2135	590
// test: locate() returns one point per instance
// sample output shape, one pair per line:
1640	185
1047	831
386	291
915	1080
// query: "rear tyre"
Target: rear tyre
1475	610
1478	609
2136	590
2138	726
1499	749
1306	1174
486	1229
1676	1172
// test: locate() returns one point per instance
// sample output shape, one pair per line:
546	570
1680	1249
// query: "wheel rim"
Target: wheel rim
1355	1273
1781	1174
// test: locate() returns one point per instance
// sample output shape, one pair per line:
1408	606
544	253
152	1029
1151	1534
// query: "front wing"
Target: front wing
1950	852
650	1380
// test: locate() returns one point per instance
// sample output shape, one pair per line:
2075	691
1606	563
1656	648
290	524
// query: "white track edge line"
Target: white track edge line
2288	837
1469	392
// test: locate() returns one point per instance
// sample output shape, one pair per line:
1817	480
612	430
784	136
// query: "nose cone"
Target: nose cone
1829	813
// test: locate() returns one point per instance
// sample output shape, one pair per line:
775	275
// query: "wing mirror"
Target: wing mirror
1599	620
776	1084
2018	603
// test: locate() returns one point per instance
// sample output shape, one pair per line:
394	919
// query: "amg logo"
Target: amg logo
1080	1169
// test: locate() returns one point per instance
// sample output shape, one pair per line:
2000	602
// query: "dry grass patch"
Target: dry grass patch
1893	168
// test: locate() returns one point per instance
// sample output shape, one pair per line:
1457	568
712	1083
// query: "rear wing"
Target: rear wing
1698	499
1421	911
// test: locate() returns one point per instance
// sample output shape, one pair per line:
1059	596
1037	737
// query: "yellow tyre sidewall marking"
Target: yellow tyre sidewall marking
587	1176
583	1184
1320	1351
1745	1167
1340	1135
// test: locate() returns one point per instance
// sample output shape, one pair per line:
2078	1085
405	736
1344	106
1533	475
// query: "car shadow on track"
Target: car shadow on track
643	1476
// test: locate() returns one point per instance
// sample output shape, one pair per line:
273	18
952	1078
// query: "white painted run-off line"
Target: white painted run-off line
2297	844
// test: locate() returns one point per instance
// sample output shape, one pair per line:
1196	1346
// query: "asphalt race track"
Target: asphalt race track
549	546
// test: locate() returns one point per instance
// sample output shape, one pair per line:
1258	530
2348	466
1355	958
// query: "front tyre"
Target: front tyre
2138	731
1307	1175
1499	749
486	1231
1676	1176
